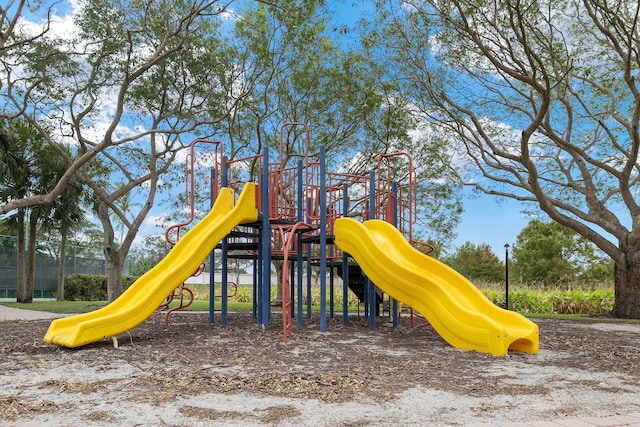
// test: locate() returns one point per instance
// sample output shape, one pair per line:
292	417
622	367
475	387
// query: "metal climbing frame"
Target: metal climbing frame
298	202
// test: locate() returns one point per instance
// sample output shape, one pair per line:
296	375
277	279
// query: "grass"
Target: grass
73	307
534	302
63	307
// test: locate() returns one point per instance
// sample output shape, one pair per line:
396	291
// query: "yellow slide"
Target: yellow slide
144	296
455	308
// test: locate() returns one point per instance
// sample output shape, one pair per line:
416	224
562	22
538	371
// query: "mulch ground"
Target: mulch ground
190	357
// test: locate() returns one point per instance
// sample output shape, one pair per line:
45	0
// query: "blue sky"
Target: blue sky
491	220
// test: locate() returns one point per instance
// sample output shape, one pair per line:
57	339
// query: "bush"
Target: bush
90	287
570	301
85	287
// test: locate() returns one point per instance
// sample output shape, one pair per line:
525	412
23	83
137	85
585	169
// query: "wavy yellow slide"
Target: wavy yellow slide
455	308
144	296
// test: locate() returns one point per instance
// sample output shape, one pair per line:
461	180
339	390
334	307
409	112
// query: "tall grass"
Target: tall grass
555	301
589	300
574	298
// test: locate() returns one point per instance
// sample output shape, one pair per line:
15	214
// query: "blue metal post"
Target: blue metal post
265	300
257	292
224	290
323	242
212	264
345	263
394	191
371	289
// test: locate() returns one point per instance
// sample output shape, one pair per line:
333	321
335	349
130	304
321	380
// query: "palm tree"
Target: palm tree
67	215
31	166
9	158
64	214
14	177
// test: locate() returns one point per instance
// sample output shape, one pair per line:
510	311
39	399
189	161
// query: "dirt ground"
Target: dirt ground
192	373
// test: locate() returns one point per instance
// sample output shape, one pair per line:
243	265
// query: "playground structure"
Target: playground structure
303	216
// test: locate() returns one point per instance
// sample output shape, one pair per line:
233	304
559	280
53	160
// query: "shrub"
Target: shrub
90	287
584	302
85	287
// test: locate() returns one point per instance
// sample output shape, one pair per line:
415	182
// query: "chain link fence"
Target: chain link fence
79	260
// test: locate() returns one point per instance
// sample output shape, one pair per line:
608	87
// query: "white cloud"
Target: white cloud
61	24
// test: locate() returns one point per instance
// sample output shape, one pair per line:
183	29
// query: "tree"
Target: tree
34	167
146	256
129	82
297	74
306	75
549	253
126	206
21	182
11	163
14	177
542	101
122	60
300	72
543	253
67	216
478	263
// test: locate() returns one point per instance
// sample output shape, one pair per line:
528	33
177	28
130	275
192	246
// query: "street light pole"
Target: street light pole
506	275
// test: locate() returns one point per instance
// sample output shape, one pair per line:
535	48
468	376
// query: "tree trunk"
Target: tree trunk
27	290
20	261
61	268
627	287
114	275
111	255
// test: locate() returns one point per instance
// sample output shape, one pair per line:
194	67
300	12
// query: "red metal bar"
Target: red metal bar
383	197
181	291
190	185
289	242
